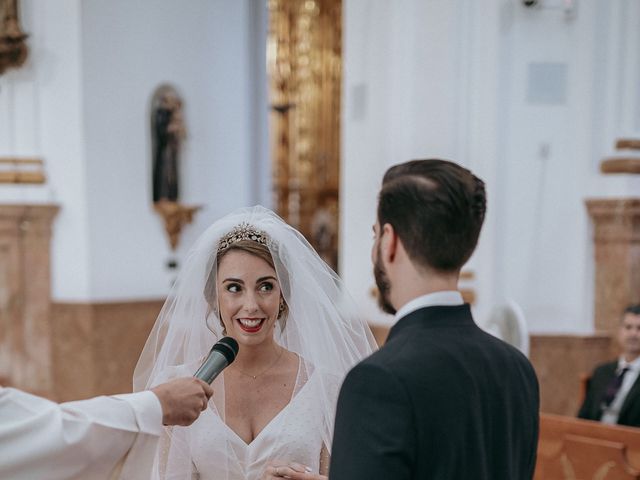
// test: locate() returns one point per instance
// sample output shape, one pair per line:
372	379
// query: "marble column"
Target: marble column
616	236
25	296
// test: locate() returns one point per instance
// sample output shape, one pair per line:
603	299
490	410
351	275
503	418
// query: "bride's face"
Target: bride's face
248	296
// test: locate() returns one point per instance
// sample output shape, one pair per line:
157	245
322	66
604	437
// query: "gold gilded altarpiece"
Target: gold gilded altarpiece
304	65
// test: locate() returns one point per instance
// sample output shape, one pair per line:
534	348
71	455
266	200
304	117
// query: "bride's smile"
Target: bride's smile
251	325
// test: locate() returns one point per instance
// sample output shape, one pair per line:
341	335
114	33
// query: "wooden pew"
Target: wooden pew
575	449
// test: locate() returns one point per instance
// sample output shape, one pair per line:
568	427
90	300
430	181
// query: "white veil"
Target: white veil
323	327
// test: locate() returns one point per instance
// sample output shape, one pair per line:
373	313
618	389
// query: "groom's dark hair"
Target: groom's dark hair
436	208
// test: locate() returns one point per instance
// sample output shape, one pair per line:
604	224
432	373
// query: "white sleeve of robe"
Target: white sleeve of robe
84	439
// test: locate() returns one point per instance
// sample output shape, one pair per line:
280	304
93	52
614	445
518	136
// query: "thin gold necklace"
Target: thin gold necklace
266	369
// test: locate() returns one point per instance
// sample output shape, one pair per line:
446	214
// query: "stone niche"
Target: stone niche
25	297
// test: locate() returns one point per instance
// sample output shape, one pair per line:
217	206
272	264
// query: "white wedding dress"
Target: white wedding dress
323	327
293	435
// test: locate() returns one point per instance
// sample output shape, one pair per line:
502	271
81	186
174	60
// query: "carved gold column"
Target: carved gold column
617	257
304	61
25	296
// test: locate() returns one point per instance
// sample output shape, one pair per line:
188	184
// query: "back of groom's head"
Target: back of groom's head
436	208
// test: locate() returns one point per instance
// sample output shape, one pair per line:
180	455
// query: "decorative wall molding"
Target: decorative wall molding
620	165
627	159
22	170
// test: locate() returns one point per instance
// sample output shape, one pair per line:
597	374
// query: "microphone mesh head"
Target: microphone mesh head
228	347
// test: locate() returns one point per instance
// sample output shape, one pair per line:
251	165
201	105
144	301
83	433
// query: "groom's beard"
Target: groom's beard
384	286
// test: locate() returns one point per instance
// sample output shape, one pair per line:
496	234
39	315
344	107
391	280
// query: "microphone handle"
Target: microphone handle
212	366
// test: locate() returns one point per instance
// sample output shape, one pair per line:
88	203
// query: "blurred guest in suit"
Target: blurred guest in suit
613	391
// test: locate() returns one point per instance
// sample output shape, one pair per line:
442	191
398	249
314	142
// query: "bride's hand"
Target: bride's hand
294	471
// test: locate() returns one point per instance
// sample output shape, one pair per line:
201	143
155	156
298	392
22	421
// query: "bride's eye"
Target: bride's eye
266	287
233	288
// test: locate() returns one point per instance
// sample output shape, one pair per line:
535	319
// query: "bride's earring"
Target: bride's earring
282	316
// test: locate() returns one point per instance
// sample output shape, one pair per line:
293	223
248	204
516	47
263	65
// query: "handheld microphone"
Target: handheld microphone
221	355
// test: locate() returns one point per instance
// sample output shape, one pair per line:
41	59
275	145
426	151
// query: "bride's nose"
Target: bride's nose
250	305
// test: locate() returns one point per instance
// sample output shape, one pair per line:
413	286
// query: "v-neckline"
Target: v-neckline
294	395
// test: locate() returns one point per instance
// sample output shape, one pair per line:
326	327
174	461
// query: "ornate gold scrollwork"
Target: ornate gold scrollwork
304	63
175	216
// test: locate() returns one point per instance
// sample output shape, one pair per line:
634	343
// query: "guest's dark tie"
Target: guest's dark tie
613	387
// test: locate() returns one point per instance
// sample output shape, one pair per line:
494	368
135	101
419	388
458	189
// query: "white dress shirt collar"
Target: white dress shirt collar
444	298
611	414
633	365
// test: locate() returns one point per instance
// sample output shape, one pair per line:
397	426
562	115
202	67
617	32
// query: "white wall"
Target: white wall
129	48
545	243
82	104
413	89
422	78
451	79
545	154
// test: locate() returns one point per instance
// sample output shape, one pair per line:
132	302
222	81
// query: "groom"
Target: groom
442	398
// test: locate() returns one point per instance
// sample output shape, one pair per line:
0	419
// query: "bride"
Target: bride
254	278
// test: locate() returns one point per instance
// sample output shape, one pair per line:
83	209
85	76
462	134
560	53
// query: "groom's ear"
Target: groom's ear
388	243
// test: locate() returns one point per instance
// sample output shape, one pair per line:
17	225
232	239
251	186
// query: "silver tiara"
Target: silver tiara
244	231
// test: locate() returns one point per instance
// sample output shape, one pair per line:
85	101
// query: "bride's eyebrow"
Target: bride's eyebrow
237	280
268	277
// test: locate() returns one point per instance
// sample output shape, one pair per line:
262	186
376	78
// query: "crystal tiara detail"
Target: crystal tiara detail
244	231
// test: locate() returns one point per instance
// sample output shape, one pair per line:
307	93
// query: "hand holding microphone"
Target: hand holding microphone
182	399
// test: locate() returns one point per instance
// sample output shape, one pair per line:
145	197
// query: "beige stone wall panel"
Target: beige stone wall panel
616	234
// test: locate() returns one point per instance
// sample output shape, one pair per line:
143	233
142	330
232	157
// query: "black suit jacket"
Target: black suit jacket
442	399
596	388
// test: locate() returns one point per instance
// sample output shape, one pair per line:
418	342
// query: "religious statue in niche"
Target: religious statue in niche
13	47
167	135
167	132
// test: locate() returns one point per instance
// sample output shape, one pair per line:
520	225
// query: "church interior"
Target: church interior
301	106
